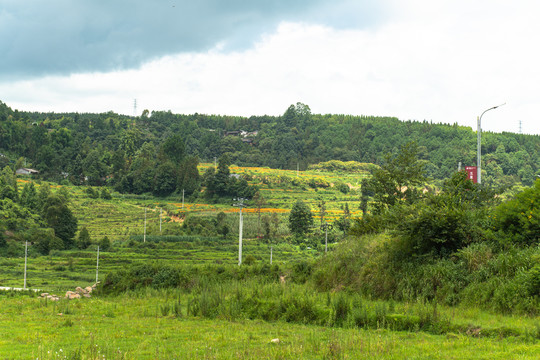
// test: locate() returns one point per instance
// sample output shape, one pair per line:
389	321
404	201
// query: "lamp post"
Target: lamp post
479	145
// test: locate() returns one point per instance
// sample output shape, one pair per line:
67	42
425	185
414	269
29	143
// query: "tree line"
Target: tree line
158	151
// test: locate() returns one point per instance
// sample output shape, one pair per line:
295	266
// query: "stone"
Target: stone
44	294
69	293
274	341
74	296
80	290
88	289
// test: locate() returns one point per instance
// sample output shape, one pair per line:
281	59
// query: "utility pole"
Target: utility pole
479	144
240	204
25	261
144	237
97	265
325	227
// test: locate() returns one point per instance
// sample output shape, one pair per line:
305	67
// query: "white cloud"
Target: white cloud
444	61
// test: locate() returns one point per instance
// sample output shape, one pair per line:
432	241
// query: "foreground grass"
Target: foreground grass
130	327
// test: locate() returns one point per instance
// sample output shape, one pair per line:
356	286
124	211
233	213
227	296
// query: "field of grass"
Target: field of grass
155	323
136	327
65	270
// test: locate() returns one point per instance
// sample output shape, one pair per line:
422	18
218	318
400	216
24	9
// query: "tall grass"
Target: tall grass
477	275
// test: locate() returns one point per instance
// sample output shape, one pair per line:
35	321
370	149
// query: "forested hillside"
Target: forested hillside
110	148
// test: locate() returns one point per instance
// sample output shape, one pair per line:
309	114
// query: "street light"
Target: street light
479	146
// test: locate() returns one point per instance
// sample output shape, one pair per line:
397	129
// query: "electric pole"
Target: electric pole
240	204
144	236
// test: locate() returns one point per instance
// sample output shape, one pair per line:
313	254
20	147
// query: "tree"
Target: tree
344	222
270	226
442	223
95	169
59	217
165	179
174	149
189	179
8	184
398	178
518	219
300	218
84	240
105	244
3	242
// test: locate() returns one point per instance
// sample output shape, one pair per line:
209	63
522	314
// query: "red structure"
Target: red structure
472	172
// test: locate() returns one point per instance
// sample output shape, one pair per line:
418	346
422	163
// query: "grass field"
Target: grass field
152	323
134	327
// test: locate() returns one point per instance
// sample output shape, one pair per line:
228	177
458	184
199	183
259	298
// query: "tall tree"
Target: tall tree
398	178
300	218
174	149
59	217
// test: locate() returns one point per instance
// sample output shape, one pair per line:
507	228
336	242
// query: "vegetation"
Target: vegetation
412	241
123	151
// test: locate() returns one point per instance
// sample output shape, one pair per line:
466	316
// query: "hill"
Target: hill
102	148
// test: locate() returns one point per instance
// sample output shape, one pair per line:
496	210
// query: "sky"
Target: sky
444	61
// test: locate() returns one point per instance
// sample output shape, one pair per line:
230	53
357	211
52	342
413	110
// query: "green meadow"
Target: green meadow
170	288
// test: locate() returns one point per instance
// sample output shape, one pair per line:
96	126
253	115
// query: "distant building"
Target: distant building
26	171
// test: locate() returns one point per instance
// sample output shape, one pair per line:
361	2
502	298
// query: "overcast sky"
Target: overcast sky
436	60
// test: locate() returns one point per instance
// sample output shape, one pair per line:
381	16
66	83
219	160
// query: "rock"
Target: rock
80	290
69	293
88	289
44	294
60	314
74	296
274	341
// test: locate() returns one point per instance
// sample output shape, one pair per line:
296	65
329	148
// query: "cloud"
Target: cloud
66	36
443	61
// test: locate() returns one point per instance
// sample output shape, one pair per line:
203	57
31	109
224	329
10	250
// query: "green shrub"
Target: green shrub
519	219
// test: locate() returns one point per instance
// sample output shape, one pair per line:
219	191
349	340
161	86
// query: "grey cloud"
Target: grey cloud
67	36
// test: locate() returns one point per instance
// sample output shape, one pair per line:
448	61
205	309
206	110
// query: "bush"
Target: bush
92	193
518	219
105	194
342	187
105	244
